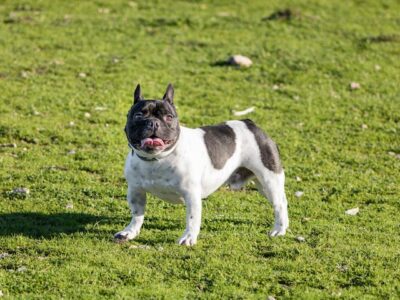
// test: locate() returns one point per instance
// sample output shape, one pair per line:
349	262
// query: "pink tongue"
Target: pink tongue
152	143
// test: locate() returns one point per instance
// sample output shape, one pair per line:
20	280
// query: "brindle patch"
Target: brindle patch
268	149
220	141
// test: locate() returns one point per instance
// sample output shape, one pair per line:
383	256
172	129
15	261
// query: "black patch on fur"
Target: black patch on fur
268	149
220	142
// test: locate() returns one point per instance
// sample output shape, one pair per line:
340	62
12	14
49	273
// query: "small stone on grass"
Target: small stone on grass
139	247
240	61
8	145
352	212
22	269
298	194
20	191
300	239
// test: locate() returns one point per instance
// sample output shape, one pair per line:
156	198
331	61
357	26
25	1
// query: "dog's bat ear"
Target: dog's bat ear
137	95
169	94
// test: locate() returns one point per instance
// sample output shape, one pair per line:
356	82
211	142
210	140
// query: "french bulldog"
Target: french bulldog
185	165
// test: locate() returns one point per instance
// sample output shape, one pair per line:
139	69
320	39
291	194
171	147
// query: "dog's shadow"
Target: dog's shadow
39	225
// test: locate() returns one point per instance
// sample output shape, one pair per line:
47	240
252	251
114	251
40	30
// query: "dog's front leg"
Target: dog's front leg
137	203
193	219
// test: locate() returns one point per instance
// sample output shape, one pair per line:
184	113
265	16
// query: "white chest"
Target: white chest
161	180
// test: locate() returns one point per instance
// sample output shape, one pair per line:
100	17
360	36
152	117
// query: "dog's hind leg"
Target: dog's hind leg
272	186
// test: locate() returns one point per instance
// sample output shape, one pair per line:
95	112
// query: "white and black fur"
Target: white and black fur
194	163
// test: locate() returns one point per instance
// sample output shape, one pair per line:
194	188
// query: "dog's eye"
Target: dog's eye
138	115
168	118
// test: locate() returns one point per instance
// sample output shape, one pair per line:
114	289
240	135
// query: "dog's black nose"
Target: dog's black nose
153	124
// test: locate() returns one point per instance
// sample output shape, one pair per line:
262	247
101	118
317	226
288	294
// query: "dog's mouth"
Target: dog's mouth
154	143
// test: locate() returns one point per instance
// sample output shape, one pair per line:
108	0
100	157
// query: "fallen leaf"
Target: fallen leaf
100	108
244	112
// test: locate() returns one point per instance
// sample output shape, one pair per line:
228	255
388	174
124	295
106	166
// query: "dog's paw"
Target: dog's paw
125	235
188	239
278	230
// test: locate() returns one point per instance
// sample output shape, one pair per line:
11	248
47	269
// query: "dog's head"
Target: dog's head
152	126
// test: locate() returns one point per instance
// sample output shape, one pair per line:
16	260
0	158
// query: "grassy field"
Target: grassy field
67	73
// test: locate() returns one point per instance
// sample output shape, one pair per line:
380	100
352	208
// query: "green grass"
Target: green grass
314	117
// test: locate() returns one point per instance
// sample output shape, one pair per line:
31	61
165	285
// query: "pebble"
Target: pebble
298	194
103	10
355	85
300	239
240	60
9	145
352	212
21	191
22	269
25	74
139	247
